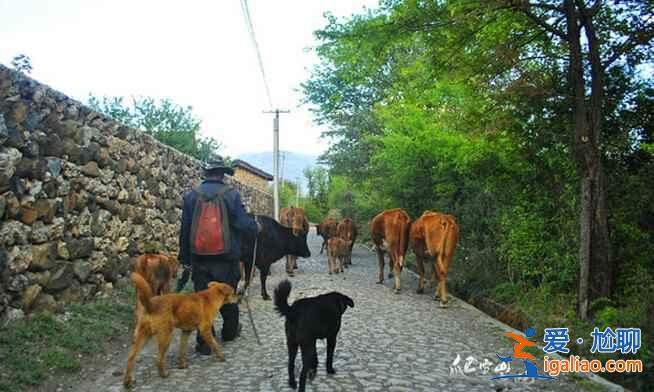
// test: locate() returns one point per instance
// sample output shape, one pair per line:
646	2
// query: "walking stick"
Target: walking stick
245	294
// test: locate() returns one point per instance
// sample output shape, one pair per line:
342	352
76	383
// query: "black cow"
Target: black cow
274	242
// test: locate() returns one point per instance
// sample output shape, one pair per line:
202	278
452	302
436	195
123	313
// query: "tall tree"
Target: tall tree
168	122
595	34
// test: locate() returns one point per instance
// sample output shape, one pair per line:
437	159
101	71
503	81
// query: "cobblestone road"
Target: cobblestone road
387	342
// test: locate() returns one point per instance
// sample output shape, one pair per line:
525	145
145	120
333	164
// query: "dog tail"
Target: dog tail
281	298
143	291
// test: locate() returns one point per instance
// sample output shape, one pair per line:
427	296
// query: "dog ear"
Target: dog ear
226	289
344	302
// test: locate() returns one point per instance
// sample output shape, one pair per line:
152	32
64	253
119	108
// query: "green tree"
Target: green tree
474	108
317	187
22	63
166	121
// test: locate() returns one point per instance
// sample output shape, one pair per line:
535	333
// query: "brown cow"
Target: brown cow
390	233
337	251
327	229
434	235
296	219
347	230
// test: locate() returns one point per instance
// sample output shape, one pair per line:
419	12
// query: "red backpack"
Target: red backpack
210	234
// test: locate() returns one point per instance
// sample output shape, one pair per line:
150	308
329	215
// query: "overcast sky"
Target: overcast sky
196	52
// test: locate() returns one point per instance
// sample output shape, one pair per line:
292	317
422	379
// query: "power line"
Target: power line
248	23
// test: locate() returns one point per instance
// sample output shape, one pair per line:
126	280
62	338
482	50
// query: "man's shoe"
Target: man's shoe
202	349
238	333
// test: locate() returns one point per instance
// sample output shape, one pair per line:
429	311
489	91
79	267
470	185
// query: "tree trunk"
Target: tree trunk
595	269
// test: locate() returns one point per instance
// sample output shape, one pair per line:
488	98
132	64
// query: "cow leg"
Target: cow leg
329	263
289	265
421	272
380	258
397	269
264	274
432	277
324	244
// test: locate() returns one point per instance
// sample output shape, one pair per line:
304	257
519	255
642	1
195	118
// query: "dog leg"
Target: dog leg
292	353
163	339
205	332
183	347
311	374
140	339
307	359
331	345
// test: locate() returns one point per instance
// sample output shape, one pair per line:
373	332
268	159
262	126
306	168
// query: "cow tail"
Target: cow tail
280	295
143	292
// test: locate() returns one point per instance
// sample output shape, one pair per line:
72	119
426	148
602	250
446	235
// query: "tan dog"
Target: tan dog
338	250
187	312
158	270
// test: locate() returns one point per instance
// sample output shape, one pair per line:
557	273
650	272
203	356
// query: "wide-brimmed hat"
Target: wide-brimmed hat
217	164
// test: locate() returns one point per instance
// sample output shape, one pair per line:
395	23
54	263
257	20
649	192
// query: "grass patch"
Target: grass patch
46	344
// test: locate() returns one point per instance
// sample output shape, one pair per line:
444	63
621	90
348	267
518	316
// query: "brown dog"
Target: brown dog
188	312
157	270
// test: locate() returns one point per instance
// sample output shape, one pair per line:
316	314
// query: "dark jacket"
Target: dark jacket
239	222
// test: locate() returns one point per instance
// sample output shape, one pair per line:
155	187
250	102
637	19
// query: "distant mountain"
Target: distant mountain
291	164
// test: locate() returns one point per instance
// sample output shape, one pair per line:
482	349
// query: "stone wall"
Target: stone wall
81	196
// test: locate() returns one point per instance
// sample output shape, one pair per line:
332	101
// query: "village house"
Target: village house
251	175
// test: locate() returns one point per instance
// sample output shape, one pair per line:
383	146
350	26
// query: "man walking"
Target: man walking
213	219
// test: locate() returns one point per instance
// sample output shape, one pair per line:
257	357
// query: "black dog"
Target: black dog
307	320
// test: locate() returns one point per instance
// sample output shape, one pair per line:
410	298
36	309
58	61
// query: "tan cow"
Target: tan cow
347	230
390	233
337	251
296	219
327	229
434	235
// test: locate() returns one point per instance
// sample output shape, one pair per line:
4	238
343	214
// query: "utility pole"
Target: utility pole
276	159
282	155
297	196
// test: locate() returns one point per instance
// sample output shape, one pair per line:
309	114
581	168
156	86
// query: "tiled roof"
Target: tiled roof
242	164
